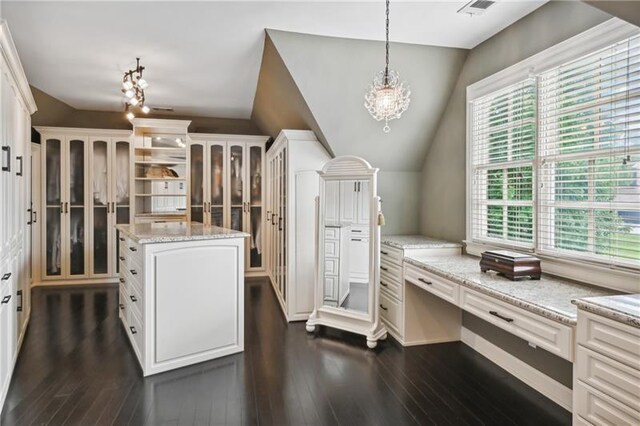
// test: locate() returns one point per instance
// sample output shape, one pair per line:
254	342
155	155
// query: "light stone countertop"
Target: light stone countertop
550	297
415	242
171	232
624	308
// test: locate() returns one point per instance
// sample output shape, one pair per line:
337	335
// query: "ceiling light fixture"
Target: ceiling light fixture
133	86
387	98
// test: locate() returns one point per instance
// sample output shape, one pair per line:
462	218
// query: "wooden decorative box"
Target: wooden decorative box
511	264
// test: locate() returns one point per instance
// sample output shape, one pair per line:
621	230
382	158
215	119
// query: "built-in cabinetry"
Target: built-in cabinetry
336	264
292	166
411	315
86	190
606	372
16	107
227	187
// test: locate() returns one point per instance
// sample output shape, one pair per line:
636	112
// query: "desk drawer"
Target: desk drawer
611	338
432	283
614	379
391	312
599	409
391	254
550	335
391	270
394	288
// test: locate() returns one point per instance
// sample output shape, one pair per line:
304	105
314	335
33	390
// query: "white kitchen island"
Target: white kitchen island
181	292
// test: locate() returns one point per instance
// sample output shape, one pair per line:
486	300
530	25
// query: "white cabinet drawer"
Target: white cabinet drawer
394	288
134	276
432	283
391	270
331	233
123	296
135	301
359	231
550	335
391	312
331	248
611	338
391	254
136	331
617	380
599	409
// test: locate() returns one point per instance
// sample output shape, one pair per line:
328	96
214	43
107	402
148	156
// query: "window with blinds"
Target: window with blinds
589	147
503	151
555	160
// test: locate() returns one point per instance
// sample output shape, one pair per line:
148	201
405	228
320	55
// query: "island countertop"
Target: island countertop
171	232
550	296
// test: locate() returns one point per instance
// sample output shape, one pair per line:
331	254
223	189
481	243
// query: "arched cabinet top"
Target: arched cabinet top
347	165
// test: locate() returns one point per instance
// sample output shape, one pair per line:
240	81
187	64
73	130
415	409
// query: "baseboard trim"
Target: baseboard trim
548	387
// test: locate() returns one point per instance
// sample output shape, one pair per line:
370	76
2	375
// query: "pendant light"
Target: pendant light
133	86
387	98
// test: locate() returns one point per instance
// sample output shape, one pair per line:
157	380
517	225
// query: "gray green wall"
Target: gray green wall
326	78
443	179
53	112
629	10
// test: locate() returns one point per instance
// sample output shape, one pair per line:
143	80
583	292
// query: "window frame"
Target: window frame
590	271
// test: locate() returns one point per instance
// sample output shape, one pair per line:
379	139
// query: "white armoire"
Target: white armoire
293	162
86	191
227	188
16	107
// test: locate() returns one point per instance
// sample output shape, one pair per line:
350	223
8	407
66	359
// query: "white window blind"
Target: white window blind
589	150
503	150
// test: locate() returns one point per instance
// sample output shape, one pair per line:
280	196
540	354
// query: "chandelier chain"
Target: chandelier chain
386	68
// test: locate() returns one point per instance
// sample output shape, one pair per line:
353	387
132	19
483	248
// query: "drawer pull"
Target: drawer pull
19	158
122	280
121	307
495	314
122	258
133	272
133	249
382	306
121	239
133	330
133	298
384	252
356	239
422	280
356	230
7	150
6	300
383	284
19	294
6	276
384	268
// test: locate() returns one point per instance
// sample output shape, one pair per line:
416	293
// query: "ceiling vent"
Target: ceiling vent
476	7
162	109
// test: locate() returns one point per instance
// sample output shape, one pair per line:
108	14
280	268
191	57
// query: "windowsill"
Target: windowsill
585	272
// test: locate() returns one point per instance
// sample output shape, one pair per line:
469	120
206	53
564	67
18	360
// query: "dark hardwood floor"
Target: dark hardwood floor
76	368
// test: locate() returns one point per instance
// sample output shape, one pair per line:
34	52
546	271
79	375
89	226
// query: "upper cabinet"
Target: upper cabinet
226	187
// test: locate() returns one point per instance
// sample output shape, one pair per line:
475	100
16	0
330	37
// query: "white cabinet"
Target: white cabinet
337	265
86	190
348	201
227	188
293	162
16	107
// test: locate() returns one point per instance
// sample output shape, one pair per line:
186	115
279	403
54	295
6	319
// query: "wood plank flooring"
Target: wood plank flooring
76	368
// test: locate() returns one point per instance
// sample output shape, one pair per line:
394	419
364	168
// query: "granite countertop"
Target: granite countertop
624	308
416	242
169	232
550	297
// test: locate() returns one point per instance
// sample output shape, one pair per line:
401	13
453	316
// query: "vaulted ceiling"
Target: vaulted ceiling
203	58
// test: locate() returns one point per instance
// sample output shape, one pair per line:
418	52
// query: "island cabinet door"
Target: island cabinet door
202	317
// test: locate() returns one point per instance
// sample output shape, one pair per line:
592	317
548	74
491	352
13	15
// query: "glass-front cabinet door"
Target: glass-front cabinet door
100	207
197	164
217	173
74	207
255	210
237	186
53	208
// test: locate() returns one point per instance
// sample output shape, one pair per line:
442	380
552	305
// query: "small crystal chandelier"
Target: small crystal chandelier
386	98
133	86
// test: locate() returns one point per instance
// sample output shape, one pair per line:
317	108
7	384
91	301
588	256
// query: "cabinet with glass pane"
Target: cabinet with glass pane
109	201
227	187
86	187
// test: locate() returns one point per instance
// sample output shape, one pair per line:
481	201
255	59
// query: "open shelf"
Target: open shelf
161	162
156	179
161	195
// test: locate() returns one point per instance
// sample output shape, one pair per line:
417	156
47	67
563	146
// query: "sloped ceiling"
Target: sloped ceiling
332	75
629	10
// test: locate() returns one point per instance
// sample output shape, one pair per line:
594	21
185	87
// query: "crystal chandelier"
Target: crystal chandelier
387	98
133	86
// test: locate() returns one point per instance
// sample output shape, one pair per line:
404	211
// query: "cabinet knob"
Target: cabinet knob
133	330
121	307
384	252
5	300
6	276
121	239
133	298
122	280
133	249
384	268
383	284
122	258
133	272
